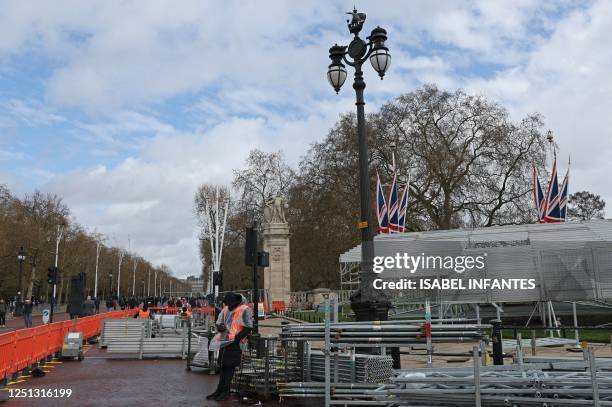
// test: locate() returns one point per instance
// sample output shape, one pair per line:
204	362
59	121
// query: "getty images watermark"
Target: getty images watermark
406	263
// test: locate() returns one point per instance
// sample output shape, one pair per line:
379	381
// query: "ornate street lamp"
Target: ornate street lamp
366	304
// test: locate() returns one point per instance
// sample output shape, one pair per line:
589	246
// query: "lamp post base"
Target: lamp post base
370	310
374	310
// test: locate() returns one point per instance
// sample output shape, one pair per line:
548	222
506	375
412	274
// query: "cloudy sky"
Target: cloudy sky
123	108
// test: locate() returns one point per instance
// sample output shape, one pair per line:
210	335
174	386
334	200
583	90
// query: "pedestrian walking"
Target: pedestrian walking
27	313
236	319
3	310
97	304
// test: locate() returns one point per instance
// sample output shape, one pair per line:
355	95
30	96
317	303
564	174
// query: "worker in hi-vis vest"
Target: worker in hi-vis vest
236	319
143	312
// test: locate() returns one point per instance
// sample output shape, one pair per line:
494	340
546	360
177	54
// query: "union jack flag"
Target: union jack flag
394	205
553	198
403	206
381	207
538	196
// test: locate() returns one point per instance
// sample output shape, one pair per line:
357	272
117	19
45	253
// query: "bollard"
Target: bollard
533	342
496	339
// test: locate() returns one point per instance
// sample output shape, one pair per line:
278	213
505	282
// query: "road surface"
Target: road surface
100	380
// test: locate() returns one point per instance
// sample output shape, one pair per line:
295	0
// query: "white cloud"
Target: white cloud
150	197
28	113
567	80
255	75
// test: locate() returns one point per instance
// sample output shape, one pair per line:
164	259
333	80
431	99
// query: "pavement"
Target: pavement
18	322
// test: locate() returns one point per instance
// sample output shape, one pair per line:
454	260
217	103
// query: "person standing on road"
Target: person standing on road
237	319
2	313
97	304
27	313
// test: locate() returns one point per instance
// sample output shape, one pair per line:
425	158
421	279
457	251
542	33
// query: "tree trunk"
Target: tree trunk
31	285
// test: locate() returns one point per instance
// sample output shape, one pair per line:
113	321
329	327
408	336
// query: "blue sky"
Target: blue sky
123	108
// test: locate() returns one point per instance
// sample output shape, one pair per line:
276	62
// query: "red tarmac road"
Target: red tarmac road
101	381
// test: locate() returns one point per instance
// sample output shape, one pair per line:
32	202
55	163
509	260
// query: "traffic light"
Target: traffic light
217	278
52	275
263	259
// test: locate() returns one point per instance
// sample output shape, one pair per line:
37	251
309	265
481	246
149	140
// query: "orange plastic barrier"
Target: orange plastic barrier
7	343
24	347
278	307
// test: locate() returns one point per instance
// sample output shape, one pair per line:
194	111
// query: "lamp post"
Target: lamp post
110	285
365	303
21	256
96	276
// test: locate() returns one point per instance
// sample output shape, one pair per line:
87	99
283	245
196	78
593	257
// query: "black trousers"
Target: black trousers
2	318
225	379
229	359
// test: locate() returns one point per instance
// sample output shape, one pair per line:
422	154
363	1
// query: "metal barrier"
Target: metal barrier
267	363
23	348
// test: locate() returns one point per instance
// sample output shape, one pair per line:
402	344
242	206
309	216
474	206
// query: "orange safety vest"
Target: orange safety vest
237	324
143	314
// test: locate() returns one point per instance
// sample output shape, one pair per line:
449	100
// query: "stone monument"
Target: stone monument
277	277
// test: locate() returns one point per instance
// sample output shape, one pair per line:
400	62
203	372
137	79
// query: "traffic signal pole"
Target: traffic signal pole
60	231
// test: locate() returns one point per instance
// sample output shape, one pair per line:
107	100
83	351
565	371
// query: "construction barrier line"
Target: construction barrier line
25	347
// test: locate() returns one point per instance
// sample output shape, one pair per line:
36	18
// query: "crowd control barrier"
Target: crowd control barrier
24	348
178	310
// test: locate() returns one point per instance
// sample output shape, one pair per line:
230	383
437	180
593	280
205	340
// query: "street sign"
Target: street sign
261	311
45	316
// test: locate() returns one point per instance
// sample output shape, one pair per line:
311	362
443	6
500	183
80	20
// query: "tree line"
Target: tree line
32	223
470	165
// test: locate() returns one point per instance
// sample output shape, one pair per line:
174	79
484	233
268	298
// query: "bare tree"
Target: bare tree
32	222
470	163
265	175
212	205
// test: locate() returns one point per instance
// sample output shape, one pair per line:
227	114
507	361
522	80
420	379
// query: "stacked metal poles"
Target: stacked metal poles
369	332
352	368
340	393
510	386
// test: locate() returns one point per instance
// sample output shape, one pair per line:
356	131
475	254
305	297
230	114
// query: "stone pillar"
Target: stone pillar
277	277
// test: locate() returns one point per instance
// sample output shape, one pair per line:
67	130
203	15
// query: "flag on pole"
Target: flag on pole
564	195
381	207
538	196
393	203
553	197
403	206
